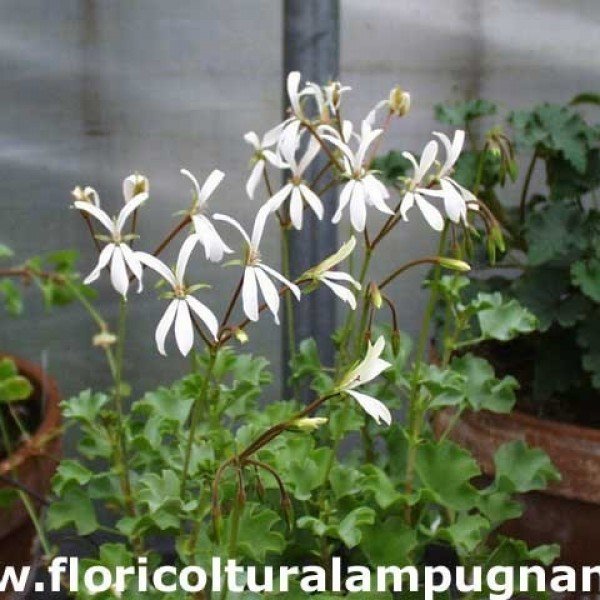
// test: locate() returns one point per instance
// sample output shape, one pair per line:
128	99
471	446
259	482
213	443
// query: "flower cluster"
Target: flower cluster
313	126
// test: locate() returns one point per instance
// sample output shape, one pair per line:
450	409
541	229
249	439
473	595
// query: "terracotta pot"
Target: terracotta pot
568	512
32	464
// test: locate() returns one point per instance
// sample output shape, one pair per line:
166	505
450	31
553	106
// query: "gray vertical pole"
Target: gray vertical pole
311	46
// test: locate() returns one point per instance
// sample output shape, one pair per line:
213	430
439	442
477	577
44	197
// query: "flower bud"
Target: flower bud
104	339
454	264
86	194
375	295
308	424
135	184
399	101
240	335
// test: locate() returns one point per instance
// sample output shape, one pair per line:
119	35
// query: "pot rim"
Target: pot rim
543	426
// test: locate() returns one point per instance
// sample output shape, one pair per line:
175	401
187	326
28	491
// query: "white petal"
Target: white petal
313	200
293	82
272	136
341	276
375	195
342	146
103	259
259	225
209	186
129	208
372	116
413	161
158	266
118	272
275	159
132	261
278	198
371	369
292	286
232	221
96	212
269	292
184	256
309	155
368	137
345	196
432	215
129	187
250	294
184	328
289	136
358	209
214	246
407	203
255	176
251	138
453	202
164	325
193	179
204	314
427	159
383	191
373	407
341	292
296	208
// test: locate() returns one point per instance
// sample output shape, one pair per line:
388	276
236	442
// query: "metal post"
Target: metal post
311	46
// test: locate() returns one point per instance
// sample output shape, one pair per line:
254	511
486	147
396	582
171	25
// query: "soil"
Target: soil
30	414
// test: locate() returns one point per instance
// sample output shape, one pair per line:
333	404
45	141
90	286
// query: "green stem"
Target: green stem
479	173
234	530
122	453
289	307
23	495
350	319
415	417
525	191
200	403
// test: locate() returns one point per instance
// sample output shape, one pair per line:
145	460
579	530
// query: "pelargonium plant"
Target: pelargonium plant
212	465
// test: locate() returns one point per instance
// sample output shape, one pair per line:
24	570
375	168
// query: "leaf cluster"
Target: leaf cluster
552	241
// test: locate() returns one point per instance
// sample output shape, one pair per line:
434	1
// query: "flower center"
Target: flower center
252	256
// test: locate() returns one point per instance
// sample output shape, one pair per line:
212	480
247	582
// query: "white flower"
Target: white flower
256	272
262	155
414	193
133	185
323	273
116	251
296	189
214	246
367	370
183	302
454	195
363	188
291	126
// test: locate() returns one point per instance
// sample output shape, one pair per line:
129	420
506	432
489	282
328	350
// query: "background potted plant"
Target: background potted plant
550	264
30	420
